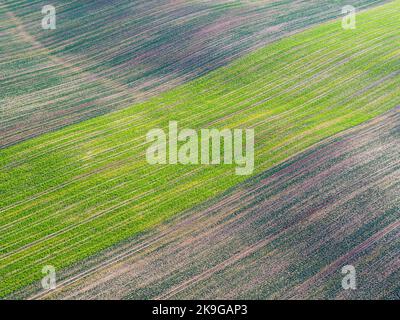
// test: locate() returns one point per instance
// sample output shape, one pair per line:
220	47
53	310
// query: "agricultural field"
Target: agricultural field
281	234
84	199
107	55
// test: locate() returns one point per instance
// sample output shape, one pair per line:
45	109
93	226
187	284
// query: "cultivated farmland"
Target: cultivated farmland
283	234
68	194
106	55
